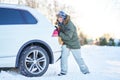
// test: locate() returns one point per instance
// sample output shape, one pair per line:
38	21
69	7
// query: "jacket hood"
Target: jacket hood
66	20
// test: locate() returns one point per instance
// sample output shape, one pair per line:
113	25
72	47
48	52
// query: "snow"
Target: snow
103	63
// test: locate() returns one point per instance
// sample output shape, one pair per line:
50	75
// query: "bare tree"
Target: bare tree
32	3
20	2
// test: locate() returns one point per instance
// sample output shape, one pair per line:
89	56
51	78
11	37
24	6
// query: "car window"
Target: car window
15	16
28	17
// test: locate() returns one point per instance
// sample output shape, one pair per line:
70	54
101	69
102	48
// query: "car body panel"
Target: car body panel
13	37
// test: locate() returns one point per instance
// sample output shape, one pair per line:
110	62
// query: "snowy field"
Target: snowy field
103	62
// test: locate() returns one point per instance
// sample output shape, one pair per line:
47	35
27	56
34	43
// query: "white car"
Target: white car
25	40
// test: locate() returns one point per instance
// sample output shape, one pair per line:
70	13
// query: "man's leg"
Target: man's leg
77	55
64	59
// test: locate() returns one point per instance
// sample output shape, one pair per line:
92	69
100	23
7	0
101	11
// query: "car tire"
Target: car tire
34	61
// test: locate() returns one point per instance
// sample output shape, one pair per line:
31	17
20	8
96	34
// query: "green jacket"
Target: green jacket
69	35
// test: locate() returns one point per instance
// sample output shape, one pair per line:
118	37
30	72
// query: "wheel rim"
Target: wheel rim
35	61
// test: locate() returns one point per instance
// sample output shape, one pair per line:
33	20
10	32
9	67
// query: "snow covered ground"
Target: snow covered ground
103	62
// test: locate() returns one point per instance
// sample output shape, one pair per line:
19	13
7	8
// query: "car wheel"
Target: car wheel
34	61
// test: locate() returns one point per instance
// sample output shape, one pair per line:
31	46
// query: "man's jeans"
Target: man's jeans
77	55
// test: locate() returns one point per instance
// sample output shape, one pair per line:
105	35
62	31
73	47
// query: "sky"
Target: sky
97	17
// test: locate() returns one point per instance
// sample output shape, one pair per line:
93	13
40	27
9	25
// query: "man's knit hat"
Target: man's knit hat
62	14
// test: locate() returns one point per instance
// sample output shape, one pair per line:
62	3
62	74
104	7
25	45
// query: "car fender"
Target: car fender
28	43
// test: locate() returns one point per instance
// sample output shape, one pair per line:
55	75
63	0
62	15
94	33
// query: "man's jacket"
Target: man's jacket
69	35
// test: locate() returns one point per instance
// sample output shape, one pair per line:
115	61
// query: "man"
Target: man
68	34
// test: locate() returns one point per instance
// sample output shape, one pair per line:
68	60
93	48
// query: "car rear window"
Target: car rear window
16	16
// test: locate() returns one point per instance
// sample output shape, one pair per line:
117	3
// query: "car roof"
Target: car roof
14	6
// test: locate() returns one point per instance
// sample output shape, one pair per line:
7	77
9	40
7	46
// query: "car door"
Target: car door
12	33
